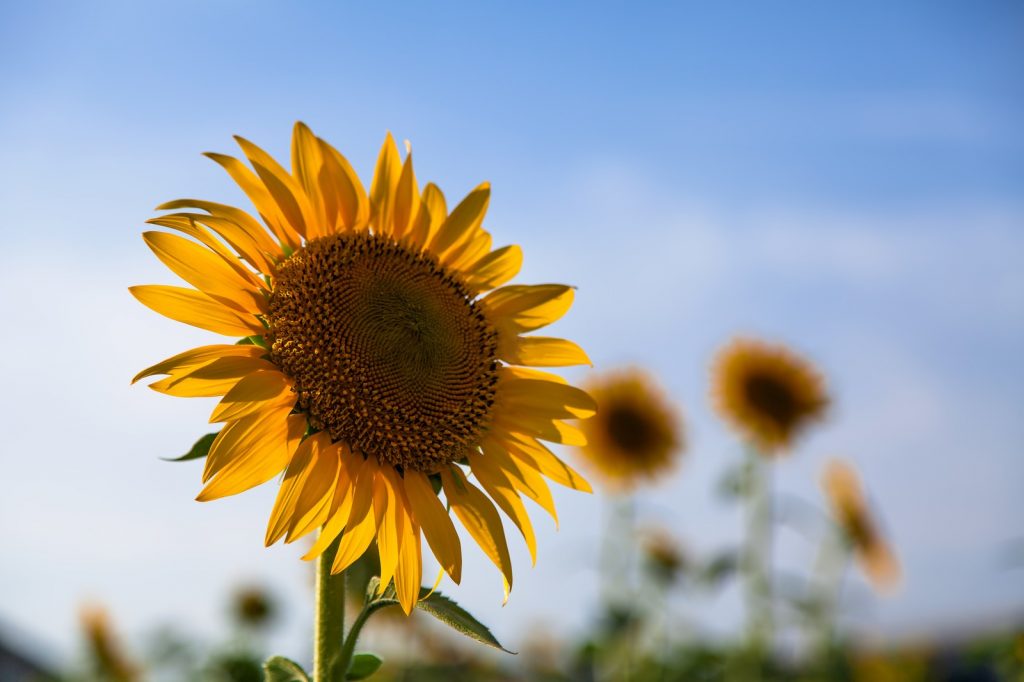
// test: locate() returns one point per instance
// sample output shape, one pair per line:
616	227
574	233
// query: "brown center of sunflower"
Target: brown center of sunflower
858	526
389	352
773	399
630	429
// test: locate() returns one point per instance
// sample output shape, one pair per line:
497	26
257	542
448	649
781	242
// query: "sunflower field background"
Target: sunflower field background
794	236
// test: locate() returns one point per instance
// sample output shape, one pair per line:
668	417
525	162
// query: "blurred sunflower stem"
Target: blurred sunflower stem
616	585
617	550
757	556
830	568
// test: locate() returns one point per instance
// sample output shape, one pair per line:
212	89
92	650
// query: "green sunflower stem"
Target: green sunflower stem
758	559
329	626
829	571
349	648
617	592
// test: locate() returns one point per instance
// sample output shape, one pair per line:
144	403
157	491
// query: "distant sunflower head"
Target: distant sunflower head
104	648
377	355
850	509
664	558
637	435
767	392
253	606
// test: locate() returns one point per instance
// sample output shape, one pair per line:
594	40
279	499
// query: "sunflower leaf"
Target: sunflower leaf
721	567
281	669
363	665
457	618
254	340
199	450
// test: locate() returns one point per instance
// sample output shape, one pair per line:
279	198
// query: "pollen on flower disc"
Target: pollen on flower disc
389	351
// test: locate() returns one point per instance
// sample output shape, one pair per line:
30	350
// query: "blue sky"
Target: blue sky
848	180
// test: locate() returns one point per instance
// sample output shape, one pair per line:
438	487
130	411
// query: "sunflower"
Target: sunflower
253	606
767	392
382	358
846	499
105	649
663	557
636	435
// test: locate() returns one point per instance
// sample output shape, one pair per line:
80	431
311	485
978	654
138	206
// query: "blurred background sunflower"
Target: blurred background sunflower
637	434
767	393
849	507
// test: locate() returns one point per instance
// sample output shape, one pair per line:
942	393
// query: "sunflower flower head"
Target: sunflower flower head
767	392
663	556
637	434
376	355
849	508
105	650
253	606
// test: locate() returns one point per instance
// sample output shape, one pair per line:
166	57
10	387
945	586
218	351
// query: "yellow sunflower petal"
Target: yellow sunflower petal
195	308
407	200
285	191
546	399
259	452
479	517
436	522
409	571
347	501
524	477
336	523
307	162
359	534
332	512
310	477
210	379
197	226
325	482
389	508
431	215
551	430
385	181
498	485
197	357
235	438
463	256
342	190
355	541
528	373
239	229
464	221
496	268
543	351
523	307
260	197
234	366
254	392
206	271
363	520
535	455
